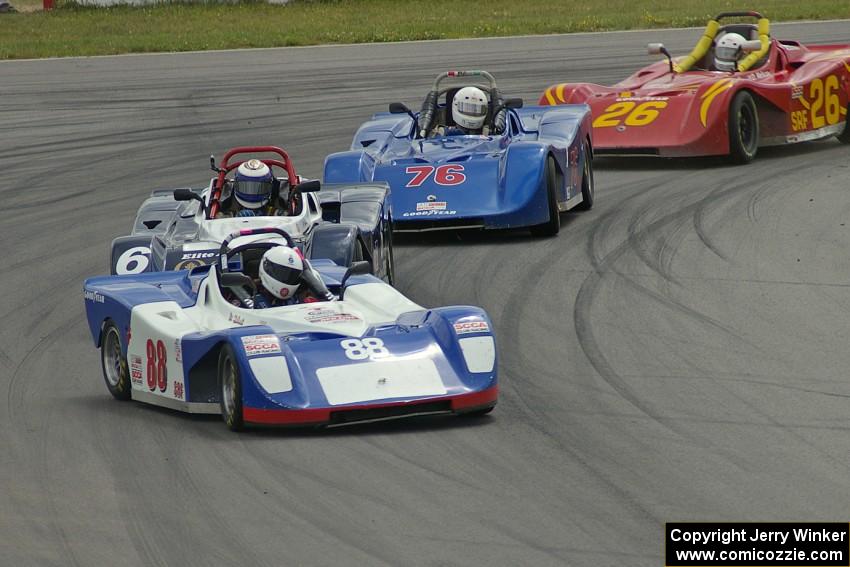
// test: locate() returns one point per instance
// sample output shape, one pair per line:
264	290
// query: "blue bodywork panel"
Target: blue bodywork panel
496	181
431	331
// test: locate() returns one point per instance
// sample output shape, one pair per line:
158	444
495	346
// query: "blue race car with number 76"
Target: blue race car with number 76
183	341
472	159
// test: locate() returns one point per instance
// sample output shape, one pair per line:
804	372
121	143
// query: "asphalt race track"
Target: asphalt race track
677	353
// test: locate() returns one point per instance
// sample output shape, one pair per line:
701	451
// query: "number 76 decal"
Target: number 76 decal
443	175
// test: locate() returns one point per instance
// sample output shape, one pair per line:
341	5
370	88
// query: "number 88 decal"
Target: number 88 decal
357	349
157	373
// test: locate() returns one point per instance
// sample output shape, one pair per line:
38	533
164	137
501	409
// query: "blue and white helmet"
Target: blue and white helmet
252	186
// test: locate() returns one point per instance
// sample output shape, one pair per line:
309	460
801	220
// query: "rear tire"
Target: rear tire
844	137
230	389
553	225
588	187
390	259
114	363
743	128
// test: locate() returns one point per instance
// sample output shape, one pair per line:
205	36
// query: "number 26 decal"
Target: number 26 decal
644	114
443	175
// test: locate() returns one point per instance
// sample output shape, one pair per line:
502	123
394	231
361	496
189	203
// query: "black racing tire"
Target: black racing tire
844	137
114	363
588	185
230	389
553	225
743	128
390	259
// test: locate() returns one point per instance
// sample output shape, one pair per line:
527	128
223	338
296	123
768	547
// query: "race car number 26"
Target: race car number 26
443	175
357	349
635	114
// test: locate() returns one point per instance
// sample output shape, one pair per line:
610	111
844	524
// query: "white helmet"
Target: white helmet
252	186
280	271
727	51
469	108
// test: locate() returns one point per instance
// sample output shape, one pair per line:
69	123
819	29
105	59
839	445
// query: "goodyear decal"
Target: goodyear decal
709	95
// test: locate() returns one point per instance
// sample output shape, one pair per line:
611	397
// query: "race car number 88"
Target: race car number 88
156	370
357	349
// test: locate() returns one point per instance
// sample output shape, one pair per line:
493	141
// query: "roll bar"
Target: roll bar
224	250
711	29
429	105
227	166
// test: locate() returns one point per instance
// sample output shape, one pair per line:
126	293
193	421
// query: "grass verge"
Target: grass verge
77	30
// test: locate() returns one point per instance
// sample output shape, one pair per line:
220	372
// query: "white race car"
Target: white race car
178	229
175	339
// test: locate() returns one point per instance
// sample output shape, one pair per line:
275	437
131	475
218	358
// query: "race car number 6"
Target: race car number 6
357	349
133	261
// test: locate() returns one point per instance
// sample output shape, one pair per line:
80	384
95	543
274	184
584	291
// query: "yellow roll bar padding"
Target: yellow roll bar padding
750	60
701	48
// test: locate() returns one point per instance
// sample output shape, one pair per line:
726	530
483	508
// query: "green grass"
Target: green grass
75	30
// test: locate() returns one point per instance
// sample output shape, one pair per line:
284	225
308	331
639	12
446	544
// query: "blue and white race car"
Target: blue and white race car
174	339
520	168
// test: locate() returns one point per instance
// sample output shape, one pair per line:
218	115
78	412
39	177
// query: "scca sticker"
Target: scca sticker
465	327
260	344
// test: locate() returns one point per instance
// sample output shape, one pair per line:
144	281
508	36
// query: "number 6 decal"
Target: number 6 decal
445	174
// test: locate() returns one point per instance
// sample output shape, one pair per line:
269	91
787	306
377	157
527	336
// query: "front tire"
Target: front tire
230	389
743	128
553	225
390	259
114	363
588	186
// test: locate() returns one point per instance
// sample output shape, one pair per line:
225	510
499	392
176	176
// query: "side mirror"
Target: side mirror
751	46
658	48
236	279
356	269
309	186
399	108
187	195
513	103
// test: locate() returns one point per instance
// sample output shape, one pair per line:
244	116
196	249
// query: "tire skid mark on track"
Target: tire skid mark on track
539	421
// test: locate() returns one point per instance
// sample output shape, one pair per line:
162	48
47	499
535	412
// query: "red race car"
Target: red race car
737	90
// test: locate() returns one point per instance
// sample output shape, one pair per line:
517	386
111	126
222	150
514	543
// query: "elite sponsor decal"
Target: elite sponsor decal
236	319
198	255
466	327
324	315
260	344
94	296
136	369
178	351
431	206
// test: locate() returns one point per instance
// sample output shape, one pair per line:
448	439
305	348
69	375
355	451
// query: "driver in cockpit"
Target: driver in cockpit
728	52
285	278
251	192
469	111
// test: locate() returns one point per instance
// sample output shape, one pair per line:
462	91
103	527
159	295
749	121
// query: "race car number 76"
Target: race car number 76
443	175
